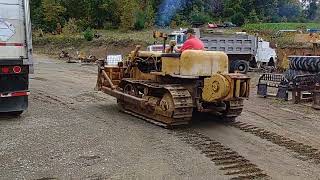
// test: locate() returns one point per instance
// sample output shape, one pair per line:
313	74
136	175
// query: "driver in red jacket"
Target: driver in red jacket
192	42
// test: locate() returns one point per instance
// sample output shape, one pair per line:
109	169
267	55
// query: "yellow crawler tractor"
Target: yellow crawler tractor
168	89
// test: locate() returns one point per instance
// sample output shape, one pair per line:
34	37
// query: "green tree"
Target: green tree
228	12
88	34
238	19
199	17
135	14
112	12
128	14
140	20
253	17
37	14
52	11
312	10
149	14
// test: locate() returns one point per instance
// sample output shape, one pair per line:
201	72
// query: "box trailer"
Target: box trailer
15	55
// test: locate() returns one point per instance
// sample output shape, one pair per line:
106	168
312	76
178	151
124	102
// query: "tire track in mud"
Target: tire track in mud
306	152
47	98
229	161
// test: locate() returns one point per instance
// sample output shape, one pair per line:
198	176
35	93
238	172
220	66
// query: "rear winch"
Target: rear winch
215	88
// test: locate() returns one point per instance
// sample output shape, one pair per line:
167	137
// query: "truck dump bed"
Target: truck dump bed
231	43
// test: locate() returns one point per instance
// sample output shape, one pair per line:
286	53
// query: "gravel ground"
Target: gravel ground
73	132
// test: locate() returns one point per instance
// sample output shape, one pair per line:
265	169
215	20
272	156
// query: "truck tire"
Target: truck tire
305	63
240	66
253	63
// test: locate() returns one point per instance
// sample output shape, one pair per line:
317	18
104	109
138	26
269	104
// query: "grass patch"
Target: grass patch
53	44
107	38
145	36
268	31
58	40
279	26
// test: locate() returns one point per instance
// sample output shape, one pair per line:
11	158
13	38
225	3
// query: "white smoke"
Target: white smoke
168	10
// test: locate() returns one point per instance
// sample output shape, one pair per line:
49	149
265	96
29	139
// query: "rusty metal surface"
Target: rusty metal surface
316	97
122	96
171	66
267	81
175	107
297	85
303	83
108	79
216	88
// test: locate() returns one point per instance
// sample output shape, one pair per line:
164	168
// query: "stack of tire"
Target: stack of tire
302	65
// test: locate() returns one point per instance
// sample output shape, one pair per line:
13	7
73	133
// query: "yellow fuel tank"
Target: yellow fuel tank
203	63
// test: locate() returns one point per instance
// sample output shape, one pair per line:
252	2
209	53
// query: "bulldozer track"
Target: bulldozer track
229	161
145	118
181	98
306	152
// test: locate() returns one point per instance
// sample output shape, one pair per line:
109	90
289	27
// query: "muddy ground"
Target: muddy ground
73	132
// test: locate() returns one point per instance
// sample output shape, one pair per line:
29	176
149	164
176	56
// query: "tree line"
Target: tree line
139	14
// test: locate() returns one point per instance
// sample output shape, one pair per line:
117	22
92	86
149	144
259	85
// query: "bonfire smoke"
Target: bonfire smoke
168	10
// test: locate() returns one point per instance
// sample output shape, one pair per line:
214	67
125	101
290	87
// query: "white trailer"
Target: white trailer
15	55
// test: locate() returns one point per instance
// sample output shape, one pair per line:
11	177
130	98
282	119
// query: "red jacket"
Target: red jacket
192	43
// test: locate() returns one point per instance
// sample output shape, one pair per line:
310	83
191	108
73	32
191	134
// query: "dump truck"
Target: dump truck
15	55
169	89
240	47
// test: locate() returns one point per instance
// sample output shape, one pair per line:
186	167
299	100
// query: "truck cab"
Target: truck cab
178	37
266	56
